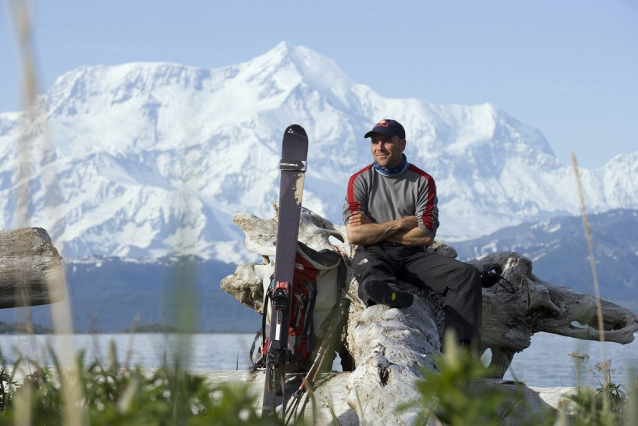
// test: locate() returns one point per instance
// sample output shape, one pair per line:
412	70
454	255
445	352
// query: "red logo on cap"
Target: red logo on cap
382	123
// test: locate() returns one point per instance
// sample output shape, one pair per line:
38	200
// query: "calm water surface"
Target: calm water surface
545	363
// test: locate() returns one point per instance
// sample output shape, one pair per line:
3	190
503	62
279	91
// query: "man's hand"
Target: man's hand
359	218
410	235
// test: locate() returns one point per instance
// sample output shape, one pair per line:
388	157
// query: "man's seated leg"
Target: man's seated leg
377	281
459	282
464	303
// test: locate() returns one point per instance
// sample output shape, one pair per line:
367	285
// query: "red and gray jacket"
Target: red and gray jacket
385	198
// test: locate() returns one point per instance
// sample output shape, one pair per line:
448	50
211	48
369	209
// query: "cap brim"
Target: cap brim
381	131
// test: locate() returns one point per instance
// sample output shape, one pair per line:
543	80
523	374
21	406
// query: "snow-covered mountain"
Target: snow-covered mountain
150	158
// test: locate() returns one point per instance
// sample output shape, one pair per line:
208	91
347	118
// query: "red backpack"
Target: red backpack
318	281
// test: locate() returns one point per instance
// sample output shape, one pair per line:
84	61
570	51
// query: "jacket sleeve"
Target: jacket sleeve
427	211
356	197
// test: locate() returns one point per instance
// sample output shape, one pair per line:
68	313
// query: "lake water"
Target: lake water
545	363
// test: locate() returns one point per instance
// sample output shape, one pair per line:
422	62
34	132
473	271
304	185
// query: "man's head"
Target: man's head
387	127
387	143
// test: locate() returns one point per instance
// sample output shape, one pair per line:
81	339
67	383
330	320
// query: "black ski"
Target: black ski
293	169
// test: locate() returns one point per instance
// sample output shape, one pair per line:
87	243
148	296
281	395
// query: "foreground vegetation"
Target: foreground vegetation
458	395
114	395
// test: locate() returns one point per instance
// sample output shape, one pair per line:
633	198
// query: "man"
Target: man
391	214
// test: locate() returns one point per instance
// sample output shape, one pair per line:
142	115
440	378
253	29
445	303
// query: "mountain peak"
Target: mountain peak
285	52
284	48
299	64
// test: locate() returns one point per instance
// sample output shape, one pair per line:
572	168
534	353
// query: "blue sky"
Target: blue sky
567	67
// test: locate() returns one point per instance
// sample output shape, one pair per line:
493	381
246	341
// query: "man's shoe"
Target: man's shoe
383	293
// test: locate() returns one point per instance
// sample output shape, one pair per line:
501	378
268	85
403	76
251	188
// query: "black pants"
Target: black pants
458	282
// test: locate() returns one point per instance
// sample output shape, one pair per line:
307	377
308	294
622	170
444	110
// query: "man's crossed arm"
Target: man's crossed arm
404	231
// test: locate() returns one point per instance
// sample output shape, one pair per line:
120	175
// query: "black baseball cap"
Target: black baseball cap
387	127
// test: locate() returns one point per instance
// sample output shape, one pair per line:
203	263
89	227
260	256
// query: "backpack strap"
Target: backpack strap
261	362
342	273
309	324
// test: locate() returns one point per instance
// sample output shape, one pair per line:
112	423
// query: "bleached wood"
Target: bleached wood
30	268
331	396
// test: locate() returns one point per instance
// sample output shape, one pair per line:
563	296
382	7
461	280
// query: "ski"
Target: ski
293	169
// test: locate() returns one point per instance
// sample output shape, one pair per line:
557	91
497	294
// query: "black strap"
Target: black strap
311	306
342	273
262	332
308	329
260	362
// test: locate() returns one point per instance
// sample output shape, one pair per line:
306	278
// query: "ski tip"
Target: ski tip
295	129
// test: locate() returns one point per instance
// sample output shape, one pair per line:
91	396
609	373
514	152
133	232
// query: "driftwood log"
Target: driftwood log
328	405
388	345
30	269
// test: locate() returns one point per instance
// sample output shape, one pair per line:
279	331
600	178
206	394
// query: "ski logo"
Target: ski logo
289	130
293	165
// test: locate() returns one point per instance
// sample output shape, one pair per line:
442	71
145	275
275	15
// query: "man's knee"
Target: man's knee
361	265
473	275
368	264
473	282
465	276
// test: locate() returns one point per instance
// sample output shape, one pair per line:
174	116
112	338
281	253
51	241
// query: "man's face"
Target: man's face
387	151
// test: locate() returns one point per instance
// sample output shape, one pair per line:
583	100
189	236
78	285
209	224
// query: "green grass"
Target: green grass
112	395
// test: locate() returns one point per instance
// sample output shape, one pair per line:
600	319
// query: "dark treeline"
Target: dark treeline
23	328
